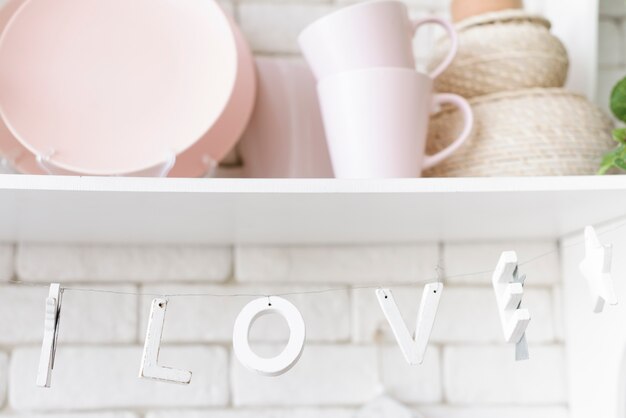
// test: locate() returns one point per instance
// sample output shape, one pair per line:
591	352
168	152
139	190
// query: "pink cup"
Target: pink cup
367	35
376	122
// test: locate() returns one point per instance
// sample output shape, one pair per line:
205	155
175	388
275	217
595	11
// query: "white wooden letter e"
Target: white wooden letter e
413	347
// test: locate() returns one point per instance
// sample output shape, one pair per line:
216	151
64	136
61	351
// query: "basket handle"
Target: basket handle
454	42
468	120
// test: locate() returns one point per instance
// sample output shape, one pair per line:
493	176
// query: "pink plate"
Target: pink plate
285	136
232	123
10	148
115	86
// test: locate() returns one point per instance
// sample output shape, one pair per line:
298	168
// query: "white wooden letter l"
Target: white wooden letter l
149	362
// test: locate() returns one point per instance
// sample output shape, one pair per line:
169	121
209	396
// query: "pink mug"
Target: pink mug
376	122
367	35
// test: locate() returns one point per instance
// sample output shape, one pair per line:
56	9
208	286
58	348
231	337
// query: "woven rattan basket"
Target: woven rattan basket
503	51
534	132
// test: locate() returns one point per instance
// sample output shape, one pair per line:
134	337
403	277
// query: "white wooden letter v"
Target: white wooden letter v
149	362
413	347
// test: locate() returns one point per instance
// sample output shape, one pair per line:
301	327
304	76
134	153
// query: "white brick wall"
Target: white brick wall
489	376
478	306
273	27
360	264
87	317
72	415
258	413
87	378
6	262
595	338
324	376
328	314
413	385
495	412
4	363
460	259
110	263
350	353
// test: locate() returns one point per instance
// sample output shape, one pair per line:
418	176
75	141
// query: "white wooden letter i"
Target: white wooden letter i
149	362
413	347
50	336
596	267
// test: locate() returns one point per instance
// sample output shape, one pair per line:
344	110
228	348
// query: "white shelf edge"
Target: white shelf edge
311	186
302	211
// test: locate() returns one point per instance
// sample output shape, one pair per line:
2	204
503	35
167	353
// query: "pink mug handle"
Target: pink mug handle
468	119
454	41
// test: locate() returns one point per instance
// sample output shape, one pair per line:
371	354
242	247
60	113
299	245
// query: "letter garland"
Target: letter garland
507	284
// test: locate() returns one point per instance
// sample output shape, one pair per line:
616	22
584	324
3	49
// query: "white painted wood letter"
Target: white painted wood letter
150	368
50	336
283	362
413	347
509	292
596	267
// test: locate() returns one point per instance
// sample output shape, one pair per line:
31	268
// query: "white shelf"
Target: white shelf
148	210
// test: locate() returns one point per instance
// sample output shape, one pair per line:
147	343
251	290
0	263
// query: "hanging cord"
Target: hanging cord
438	269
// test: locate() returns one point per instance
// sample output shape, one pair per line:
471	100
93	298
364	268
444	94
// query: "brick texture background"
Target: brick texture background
350	354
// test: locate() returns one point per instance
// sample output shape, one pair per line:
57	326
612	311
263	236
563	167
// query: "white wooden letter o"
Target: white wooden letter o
281	363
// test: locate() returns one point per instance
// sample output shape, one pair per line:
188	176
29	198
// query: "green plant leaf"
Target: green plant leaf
619	135
608	161
603	170
618	100
620	163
